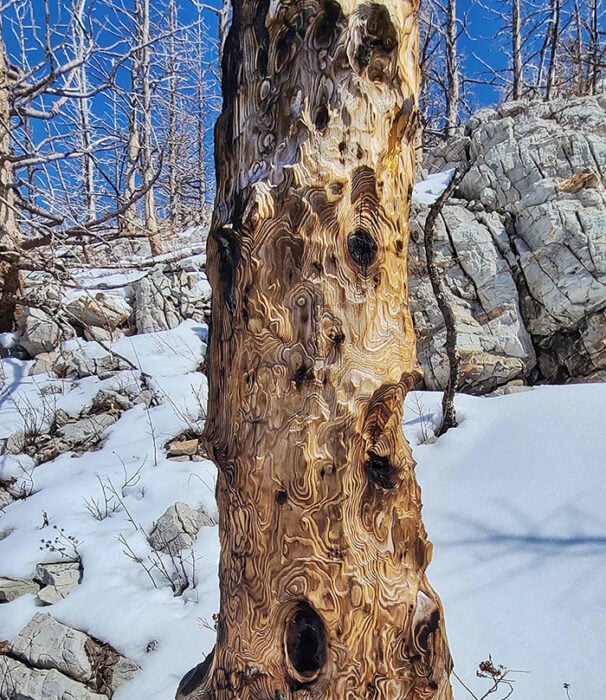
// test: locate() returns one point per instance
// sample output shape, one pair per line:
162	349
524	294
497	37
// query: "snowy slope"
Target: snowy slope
515	504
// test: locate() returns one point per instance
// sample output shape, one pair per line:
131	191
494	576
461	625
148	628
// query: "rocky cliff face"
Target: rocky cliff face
522	248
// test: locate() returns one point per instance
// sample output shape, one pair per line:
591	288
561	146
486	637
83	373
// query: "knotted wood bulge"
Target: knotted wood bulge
312	350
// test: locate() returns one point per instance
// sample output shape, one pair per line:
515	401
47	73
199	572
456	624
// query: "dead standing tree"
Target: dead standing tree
10	237
323	551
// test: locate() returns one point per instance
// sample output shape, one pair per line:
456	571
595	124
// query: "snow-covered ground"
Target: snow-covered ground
515	504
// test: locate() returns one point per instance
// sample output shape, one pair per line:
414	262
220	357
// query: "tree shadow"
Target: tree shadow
505	551
17	375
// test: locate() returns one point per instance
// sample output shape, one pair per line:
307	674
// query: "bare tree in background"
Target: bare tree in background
143	20
68	172
10	282
452	68
440	94
516	50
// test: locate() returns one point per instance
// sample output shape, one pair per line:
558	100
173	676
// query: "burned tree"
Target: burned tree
323	551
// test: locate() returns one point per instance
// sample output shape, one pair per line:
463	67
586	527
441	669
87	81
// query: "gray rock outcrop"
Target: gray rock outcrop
45	644
164	298
492	341
524	247
38	331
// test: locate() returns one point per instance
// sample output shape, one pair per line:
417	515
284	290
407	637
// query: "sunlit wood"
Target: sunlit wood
312	350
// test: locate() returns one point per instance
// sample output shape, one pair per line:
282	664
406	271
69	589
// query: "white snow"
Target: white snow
428	190
515	504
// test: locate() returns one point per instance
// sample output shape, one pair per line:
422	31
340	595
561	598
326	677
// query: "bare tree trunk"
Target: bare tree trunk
10	239
516	37
594	47
200	116
129	223
449	415
174	204
83	109
147	166
323	551
554	33
578	51
223	27
452	68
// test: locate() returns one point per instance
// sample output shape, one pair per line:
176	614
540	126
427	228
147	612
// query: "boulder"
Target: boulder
45	643
165	297
154	307
108	401
38	331
180	448
178	527
20	682
57	580
76	365
99	312
11	589
86	432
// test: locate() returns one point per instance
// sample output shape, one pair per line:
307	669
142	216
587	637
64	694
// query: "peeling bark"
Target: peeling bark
312	350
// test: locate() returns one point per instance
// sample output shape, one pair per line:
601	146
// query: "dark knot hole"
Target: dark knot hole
362	247
306	642
381	471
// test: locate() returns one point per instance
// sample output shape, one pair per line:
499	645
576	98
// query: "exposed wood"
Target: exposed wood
312	350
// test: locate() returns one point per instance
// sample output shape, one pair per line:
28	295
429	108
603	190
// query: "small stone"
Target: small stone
182	447
62	418
15	444
11	589
178	527
57	580
5	533
6	493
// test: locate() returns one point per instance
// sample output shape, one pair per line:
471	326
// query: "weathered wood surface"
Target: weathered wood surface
323	552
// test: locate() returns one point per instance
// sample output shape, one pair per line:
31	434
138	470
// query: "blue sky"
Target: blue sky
483	41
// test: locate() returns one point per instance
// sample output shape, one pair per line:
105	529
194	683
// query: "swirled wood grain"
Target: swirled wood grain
323	552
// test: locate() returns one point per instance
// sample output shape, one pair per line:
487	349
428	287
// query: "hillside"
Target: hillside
108	536
514	501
